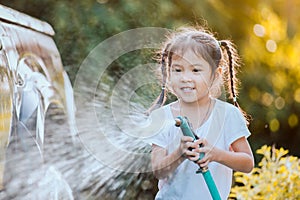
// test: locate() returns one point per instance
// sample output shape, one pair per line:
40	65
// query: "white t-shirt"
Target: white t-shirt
184	183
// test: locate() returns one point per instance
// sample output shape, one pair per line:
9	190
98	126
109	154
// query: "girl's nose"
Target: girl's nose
186	77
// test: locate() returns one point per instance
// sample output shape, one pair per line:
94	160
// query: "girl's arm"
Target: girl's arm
240	159
164	164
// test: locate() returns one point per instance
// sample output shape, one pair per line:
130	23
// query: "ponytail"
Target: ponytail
163	94
231	80
232	63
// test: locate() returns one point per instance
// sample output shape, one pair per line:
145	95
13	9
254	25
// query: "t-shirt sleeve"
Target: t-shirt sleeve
237	126
160	127
162	137
159	139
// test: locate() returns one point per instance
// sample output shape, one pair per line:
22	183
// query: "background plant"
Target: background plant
275	178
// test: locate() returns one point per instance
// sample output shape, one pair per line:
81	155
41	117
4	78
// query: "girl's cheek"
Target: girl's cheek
175	77
172	86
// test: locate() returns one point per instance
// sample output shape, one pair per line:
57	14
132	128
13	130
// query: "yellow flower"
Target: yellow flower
275	178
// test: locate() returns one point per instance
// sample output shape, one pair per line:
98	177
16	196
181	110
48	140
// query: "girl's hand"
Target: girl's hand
210	153
187	147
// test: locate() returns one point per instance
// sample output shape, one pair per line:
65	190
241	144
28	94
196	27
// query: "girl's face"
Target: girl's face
190	77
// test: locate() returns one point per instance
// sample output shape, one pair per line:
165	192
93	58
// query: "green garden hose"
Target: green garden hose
183	123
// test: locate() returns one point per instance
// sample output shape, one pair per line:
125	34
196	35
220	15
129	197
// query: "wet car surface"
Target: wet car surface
32	84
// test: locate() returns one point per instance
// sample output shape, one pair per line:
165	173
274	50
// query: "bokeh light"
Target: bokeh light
271	46
259	30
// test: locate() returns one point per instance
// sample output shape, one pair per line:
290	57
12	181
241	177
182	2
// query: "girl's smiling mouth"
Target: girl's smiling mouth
187	89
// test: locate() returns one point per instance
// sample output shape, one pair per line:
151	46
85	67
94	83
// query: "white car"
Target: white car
33	85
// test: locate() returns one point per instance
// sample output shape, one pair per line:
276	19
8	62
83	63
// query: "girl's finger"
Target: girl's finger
193	158
194	145
205	164
202	149
186	139
191	153
190	145
201	141
199	160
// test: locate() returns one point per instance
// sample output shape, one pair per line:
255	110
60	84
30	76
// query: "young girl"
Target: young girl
194	67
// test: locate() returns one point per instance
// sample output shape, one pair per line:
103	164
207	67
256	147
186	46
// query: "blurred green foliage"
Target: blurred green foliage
266	33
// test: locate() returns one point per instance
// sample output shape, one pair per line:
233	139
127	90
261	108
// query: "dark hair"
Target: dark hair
217	53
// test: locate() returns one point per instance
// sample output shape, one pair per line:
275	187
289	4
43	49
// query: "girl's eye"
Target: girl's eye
196	70
177	70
